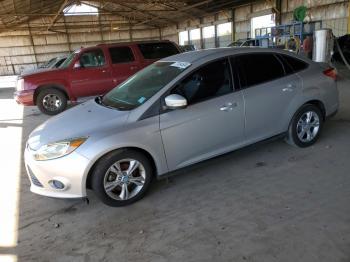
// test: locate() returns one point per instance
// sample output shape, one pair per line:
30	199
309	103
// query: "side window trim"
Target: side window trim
128	62
94	50
163	110
242	75
281	63
237	86
291	67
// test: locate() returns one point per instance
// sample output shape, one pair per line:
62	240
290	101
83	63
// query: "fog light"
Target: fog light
56	184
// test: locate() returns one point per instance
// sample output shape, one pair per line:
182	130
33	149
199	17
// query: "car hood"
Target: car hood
34	71
44	74
84	120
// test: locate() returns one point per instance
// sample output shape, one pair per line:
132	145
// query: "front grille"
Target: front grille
35	181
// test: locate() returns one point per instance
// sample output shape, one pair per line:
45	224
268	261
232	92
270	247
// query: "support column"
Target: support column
201	33
32	43
233	25
160	33
130	33
99	24
67	34
349	18
278	12
216	31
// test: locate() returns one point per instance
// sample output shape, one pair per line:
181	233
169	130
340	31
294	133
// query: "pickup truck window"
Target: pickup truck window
121	54
92	58
158	50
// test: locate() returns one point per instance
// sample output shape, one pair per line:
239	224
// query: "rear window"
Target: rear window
292	65
121	55
157	50
255	69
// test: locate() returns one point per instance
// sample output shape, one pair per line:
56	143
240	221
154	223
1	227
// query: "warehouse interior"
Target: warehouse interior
265	202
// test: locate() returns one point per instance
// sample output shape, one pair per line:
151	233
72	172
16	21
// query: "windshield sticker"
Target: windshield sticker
141	100
181	65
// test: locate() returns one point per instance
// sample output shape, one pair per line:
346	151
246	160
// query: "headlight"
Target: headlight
58	149
20	84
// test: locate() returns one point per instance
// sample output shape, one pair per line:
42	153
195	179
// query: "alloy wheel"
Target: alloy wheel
308	126
124	179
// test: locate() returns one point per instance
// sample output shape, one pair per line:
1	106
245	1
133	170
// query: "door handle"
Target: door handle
225	108
133	67
289	88
228	107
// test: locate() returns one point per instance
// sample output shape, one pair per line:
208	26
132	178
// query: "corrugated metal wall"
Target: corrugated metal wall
25	49
333	13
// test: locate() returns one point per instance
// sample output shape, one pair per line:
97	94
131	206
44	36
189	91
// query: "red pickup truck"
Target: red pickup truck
88	72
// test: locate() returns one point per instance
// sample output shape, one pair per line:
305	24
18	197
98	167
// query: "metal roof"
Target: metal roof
16	14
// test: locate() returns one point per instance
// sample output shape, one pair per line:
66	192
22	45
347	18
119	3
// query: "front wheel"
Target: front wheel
305	127
122	177
51	101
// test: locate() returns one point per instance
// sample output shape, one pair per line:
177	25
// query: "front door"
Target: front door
93	77
213	122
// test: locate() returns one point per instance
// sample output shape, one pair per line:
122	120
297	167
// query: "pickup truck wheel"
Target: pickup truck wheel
51	101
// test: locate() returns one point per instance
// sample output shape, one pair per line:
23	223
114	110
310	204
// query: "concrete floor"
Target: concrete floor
269	202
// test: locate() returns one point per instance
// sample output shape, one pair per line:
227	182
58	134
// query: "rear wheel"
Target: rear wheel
122	177
305	127
51	101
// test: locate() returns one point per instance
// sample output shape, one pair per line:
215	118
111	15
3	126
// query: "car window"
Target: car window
209	81
121	54
256	69
292	65
143	85
157	50
92	58
60	62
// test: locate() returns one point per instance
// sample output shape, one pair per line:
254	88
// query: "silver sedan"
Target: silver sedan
176	112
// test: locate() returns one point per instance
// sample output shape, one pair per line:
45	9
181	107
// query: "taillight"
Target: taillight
331	72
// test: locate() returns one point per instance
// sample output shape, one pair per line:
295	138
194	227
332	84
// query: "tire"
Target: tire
111	179
51	101
302	133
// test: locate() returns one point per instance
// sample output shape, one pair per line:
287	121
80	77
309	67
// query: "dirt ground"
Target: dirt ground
268	202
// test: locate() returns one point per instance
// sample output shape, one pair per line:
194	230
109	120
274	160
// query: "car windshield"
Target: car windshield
68	60
237	43
143	85
52	63
47	63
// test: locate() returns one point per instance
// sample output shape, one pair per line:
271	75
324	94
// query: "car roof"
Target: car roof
135	42
213	53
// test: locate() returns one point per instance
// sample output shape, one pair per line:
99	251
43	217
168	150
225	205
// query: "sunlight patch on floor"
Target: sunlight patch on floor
10	173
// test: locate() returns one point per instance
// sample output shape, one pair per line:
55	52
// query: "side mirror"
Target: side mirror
77	65
175	102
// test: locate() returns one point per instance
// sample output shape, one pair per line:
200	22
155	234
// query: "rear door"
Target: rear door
125	63
93	77
213	122
268	92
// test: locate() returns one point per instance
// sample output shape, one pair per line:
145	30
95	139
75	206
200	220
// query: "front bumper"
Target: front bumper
71	170
24	97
